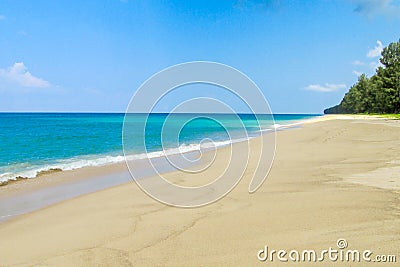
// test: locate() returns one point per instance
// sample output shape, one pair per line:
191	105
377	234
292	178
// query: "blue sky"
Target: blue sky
93	55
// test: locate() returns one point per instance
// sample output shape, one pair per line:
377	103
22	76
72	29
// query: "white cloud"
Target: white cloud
376	51
374	8
357	73
372	54
20	75
374	65
358	63
328	87
2	17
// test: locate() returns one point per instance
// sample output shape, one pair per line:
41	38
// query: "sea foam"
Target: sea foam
96	160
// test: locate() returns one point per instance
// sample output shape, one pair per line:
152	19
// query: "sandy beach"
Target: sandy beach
338	178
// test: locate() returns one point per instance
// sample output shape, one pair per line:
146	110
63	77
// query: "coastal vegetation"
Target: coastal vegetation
379	94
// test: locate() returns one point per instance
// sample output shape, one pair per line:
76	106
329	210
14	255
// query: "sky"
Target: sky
91	56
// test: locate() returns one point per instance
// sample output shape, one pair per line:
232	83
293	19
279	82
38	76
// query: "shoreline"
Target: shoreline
91	179
111	158
305	203
119	159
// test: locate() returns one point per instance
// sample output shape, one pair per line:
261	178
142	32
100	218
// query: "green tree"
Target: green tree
358	99
390	77
378	94
391	55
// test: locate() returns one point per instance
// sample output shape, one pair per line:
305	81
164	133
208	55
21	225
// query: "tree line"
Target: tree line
379	93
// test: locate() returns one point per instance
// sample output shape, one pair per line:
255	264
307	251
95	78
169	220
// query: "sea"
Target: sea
35	143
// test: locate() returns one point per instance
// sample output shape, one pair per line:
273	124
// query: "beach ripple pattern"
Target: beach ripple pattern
167	80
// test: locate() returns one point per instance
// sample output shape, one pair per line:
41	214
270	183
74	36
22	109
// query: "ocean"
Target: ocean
32	143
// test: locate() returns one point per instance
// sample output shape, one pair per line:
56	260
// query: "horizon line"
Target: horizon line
116	112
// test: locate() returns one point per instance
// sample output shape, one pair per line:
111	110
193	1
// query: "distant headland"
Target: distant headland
379	94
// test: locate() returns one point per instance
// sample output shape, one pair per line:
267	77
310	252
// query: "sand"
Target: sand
331	179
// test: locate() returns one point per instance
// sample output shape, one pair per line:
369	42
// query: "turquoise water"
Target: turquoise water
34	142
